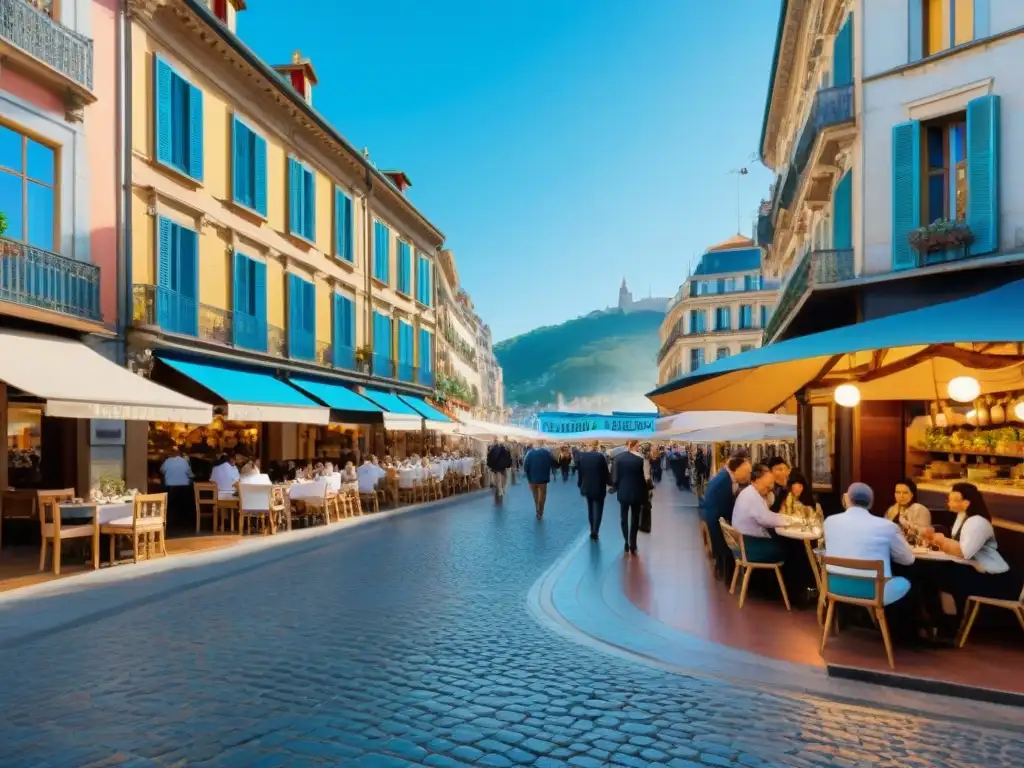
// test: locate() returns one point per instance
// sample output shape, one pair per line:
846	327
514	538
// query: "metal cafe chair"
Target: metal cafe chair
973	605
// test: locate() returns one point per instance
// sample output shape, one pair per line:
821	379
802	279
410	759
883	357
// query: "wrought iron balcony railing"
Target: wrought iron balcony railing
815	269
36	278
832	106
673	337
31	30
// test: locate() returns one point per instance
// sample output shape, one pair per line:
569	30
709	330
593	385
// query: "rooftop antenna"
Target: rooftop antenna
739	173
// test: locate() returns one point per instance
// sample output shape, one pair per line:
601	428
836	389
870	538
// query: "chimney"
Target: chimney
300	75
226	11
399	179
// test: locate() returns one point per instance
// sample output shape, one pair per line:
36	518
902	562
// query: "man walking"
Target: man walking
498	462
630	476
539	468
593	480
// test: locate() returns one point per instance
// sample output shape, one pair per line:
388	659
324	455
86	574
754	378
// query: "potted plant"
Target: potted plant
3	222
363	355
941	235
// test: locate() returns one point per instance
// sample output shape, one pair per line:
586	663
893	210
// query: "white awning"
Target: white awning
444	427
78	383
401	422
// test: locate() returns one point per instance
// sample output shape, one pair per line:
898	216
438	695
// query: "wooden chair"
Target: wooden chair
18	505
705	540
973	605
207	503
407	488
321	504
53	532
864	586
355	503
734	540
148	521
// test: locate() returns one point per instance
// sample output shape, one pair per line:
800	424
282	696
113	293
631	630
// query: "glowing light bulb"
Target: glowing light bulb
964	389
847	395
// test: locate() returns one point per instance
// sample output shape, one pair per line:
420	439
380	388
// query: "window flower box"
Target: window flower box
941	235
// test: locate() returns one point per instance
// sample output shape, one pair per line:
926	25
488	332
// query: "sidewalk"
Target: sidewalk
664	608
39	609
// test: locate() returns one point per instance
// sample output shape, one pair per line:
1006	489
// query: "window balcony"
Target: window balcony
815	270
47	51
830	128
673	337
38	279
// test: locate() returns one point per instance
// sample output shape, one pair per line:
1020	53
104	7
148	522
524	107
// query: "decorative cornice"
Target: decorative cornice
143	8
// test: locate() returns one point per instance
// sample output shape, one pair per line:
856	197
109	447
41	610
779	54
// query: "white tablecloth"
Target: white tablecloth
106	512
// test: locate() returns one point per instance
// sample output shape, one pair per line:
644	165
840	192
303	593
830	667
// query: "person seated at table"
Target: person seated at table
752	518
799	500
973	539
225	475
908	513
857	534
369	474
780	470
348	474
249	469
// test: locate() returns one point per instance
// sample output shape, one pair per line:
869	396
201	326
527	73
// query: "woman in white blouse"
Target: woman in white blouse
908	513
974	539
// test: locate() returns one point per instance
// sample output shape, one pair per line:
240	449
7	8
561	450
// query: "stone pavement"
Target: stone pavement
410	642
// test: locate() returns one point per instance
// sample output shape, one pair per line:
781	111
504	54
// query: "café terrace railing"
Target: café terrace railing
36	278
32	30
815	269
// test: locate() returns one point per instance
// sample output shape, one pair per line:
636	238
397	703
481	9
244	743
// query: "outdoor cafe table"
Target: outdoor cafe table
807	534
99	514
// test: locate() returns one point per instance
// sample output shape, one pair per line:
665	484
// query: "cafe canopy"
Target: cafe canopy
945	350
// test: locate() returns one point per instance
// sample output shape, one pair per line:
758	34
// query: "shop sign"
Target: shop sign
572	424
106	432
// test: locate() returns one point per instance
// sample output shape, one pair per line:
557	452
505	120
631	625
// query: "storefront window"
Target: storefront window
24	446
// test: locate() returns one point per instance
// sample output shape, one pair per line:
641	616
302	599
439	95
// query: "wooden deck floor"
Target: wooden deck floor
19	566
672	582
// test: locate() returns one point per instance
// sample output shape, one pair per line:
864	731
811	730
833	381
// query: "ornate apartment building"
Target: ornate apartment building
468	372
720	310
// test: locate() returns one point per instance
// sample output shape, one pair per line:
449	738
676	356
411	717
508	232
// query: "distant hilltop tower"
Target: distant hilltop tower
650	304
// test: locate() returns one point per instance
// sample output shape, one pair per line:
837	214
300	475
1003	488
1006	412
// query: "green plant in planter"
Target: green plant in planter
3	222
941	235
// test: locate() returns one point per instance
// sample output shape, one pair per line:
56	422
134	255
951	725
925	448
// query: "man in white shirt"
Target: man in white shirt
369	474
225	475
752	518
177	474
859	535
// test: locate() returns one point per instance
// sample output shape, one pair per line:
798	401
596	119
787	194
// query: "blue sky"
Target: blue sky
560	145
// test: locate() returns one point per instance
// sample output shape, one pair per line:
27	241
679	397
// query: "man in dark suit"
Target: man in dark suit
593	480
719	499
630	475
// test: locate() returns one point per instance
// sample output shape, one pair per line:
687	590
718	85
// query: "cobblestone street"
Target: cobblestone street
409	642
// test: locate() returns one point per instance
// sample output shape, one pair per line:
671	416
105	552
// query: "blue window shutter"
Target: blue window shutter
164	265
842	213
842	54
349	307
309	309
982	23
350	252
239	162
195	133
241	288
294	313
259	174
188	281
340	236
259	295
308	204
906	192
337	328
294	196
915	42
376	332
983	173
163	118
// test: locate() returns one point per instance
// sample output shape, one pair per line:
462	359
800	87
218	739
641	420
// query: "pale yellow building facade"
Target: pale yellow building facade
719	311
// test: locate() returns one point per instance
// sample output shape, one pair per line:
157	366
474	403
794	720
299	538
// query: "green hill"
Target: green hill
599	354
